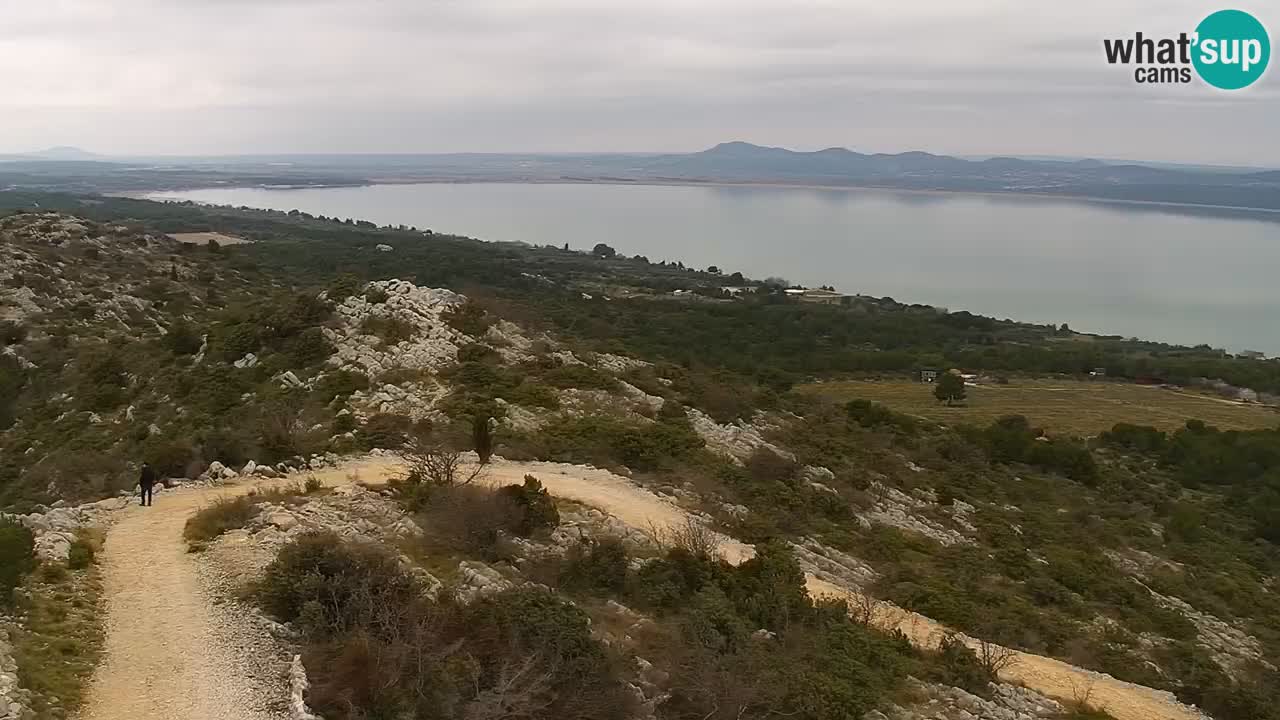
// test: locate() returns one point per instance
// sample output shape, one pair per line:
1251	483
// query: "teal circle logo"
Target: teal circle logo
1232	49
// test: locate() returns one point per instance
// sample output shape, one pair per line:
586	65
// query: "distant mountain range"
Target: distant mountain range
731	162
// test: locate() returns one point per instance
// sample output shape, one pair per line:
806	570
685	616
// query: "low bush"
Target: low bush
340	384
224	515
534	394
582	377
17	548
536	509
468	319
379	647
604	440
466	519
12	333
389	329
384	430
959	666
330	586
83	552
597	567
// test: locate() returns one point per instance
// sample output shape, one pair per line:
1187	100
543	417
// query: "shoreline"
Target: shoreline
1216	210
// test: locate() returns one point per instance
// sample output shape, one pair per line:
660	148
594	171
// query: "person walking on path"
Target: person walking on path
146	482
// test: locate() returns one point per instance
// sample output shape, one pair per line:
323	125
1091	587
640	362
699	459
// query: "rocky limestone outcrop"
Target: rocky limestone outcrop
434	344
417	400
55	528
298	686
897	509
14	701
736	441
1008	702
1229	646
834	566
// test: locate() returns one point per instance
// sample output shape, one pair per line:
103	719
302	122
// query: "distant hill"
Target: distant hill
61	153
64	152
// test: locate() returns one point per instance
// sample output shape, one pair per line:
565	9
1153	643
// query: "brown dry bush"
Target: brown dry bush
379	647
467	519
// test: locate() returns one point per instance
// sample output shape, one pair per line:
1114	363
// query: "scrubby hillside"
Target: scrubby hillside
1145	555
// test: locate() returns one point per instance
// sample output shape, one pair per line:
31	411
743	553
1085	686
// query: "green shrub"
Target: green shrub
958	666
537	508
330	586
601	440
343	423
534	394
468	319
582	377
384	430
390	330
12	332
376	295
102	379
668	582
307	347
183	338
1141	438
82	554
343	287
17	558
340	384
477	352
596	566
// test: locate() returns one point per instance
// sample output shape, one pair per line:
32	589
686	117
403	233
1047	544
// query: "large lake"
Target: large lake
1132	270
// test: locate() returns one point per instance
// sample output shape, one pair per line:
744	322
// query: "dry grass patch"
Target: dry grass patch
1065	406
232	513
203	238
61	637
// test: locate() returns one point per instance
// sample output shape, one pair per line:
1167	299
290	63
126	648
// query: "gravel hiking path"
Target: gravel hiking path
644	510
166	656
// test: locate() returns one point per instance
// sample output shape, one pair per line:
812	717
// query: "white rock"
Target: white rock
283	520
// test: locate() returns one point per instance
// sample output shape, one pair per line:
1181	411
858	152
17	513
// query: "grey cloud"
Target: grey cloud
982	76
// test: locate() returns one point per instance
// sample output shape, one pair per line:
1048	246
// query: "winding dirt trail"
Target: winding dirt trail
163	660
643	510
164	656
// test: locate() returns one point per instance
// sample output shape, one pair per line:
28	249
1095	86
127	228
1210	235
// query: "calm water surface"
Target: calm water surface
1117	269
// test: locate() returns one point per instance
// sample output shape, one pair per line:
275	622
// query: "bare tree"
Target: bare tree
994	658
693	537
522	687
437	467
1082	695
869	611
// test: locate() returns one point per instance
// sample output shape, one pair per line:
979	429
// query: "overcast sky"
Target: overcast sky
951	76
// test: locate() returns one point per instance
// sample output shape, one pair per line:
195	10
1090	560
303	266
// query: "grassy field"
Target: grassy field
1084	408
